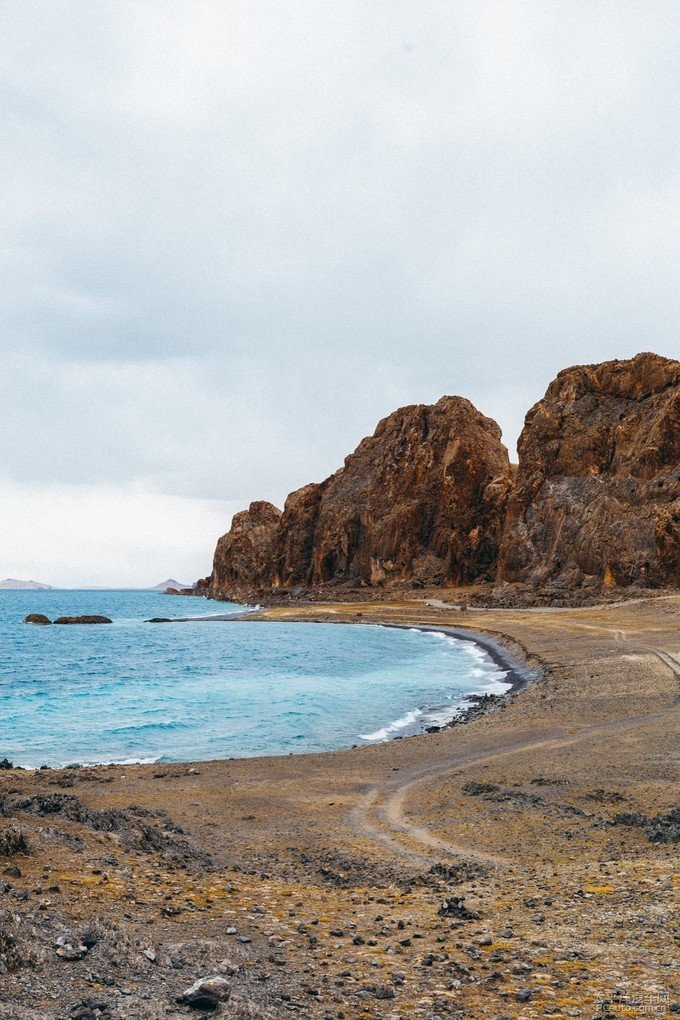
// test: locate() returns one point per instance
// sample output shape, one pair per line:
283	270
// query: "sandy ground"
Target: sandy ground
315	884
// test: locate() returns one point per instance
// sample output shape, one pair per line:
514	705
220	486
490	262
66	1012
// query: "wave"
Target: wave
173	724
87	764
393	727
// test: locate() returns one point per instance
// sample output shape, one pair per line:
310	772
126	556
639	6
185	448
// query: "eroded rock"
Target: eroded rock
597	499
420	500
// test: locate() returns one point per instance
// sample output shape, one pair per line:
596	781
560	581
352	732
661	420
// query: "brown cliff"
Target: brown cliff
421	500
597	499
244	556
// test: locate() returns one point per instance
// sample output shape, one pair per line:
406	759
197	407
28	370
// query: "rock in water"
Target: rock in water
83	619
38	618
597	499
421	500
207	993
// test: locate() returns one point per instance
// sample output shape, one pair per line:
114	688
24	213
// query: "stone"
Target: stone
38	618
67	951
207	993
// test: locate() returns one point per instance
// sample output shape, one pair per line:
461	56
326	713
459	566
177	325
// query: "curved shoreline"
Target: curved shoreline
517	674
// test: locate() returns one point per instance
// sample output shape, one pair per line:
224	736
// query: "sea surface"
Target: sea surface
134	691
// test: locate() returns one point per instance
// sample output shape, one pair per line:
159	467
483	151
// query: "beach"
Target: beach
519	865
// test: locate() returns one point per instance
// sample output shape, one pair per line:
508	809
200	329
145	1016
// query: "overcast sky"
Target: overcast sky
237	234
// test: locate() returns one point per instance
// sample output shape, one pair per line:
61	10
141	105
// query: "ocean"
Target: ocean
139	692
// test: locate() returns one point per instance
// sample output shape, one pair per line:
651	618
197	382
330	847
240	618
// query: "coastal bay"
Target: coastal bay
331	884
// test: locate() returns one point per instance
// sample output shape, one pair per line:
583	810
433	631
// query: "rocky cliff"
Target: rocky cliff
420	500
430	498
597	499
245	555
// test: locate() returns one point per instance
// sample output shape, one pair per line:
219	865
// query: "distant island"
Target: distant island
170	583
13	584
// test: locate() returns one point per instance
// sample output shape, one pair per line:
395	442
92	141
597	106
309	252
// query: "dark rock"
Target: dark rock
455	907
38	618
83	619
244	557
665	828
5	765
12	841
475	789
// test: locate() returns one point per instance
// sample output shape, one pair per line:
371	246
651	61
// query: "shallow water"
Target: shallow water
133	691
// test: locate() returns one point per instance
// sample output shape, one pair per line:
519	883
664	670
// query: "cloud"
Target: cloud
236	235
134	537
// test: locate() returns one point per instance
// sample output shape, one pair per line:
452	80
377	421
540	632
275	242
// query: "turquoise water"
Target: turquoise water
134	691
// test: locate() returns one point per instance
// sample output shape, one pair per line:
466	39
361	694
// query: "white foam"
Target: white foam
94	764
485	670
393	727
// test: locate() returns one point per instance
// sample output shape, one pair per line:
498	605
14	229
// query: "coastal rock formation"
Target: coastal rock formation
597	499
420	500
244	557
38	618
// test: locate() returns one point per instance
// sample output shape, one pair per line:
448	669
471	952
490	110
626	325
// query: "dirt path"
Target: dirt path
381	814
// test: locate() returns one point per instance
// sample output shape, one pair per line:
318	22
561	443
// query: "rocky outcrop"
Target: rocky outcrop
597	500
244	557
422	500
82	619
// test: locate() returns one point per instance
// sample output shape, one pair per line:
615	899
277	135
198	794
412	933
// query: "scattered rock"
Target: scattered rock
455	907
38	618
665	828
67	951
13	841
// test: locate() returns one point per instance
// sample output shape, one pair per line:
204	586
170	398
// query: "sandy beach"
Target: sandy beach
519	865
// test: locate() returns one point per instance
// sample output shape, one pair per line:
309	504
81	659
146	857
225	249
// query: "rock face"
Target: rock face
597	499
423	499
244	557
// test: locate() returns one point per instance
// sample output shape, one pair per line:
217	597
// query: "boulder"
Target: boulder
597	499
38	618
207	993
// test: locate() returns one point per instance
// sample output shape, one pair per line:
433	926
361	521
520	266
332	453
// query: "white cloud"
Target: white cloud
74	535
236	235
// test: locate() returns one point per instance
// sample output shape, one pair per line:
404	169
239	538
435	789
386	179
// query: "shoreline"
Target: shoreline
530	858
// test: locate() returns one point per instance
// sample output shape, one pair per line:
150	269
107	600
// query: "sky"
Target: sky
236	235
